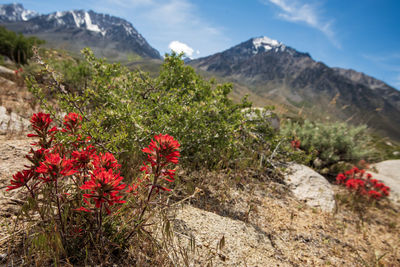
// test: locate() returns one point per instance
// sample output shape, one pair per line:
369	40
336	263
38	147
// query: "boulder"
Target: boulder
389	172
311	187
11	122
221	240
4	70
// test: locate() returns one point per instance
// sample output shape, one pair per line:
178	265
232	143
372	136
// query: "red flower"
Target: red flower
295	143
20	179
162	150
374	194
40	122
82	158
354	183
132	188
106	161
104	187
55	165
354	180
168	173
83	209
72	122
341	178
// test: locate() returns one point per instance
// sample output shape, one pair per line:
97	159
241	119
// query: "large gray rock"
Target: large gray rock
244	245
11	122
389	172
310	186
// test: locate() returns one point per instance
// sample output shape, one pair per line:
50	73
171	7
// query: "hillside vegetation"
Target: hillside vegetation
116	152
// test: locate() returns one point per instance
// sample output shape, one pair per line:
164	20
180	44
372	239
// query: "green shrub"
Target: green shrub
330	143
122	109
75	74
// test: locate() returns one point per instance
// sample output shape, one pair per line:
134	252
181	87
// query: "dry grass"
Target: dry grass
304	236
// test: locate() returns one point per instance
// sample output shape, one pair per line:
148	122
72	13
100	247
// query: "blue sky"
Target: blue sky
359	34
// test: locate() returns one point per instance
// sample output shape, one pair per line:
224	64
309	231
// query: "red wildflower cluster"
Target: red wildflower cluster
295	143
54	166
105	187
40	124
73	175
72	122
106	161
354	180
163	150
81	158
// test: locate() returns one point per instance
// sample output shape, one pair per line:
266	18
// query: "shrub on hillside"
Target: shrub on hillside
330	143
123	108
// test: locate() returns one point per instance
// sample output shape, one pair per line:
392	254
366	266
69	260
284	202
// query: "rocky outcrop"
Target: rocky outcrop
11	122
279	74
310	186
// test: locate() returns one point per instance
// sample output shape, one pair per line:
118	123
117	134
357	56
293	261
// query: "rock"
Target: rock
389	172
225	241
10	122
256	114
4	70
310	186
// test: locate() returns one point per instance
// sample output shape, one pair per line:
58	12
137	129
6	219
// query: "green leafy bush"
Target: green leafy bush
17	47
330	143
122	108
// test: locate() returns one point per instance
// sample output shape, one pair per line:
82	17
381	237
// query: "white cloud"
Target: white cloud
296	11
163	21
179	47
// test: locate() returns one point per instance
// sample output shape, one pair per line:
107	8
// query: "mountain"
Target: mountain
15	12
385	90
108	36
278	73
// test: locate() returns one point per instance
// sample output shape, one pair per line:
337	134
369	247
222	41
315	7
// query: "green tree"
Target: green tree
17	47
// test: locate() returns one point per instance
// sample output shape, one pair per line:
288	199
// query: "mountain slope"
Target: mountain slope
279	73
107	35
15	12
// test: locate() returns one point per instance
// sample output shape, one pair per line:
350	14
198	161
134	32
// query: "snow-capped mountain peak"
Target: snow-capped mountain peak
82	19
263	44
16	12
93	29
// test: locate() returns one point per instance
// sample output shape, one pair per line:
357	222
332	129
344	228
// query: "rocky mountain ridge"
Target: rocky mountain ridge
15	12
280	73
85	28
